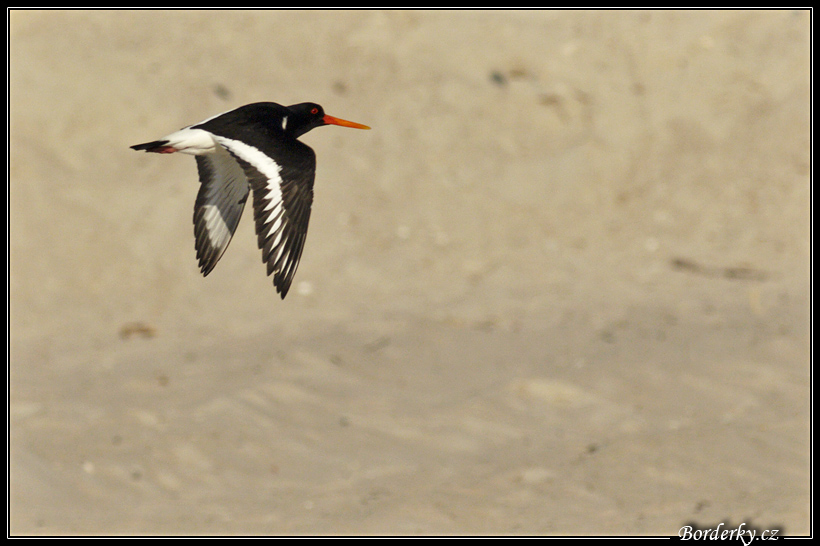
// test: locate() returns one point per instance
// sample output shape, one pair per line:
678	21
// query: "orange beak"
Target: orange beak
330	120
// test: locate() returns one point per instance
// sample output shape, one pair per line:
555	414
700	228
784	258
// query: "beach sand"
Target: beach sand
560	288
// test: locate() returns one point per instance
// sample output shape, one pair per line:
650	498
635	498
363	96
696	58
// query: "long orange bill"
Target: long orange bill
330	120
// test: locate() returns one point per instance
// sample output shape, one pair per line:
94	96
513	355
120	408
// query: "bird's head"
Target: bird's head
308	115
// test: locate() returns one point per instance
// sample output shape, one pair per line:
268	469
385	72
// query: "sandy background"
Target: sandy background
560	288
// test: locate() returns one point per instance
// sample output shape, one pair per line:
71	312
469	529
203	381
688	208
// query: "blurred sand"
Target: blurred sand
560	288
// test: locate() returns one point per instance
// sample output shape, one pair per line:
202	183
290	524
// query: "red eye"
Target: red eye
314	111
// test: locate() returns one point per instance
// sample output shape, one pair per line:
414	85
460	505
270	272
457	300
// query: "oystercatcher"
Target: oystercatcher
253	147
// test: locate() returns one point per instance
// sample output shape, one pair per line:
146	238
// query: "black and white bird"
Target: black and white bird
253	147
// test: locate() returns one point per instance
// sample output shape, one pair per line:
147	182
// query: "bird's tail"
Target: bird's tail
157	146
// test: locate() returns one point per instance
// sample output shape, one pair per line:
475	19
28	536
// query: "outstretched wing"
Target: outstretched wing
219	204
282	199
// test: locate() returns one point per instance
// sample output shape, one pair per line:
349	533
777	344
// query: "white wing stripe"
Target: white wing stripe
275	218
270	205
261	162
215	225
277	240
221	198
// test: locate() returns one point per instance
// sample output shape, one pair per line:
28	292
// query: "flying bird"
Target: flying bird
253	148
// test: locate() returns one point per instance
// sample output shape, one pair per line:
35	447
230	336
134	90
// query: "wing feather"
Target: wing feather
222	195
282	200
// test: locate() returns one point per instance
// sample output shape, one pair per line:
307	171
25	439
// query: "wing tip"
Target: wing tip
205	269
282	285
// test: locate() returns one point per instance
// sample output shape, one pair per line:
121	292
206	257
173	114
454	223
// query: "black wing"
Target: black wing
219	205
282	184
